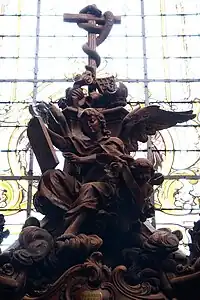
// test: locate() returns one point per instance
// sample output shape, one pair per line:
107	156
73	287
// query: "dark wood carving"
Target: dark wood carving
93	242
3	233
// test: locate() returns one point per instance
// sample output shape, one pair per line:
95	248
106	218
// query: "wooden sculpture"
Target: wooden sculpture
93	242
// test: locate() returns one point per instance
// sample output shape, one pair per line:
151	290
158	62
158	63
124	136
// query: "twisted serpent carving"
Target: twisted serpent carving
102	30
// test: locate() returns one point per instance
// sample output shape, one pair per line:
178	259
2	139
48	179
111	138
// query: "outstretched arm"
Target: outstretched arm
100	158
73	158
60	142
57	121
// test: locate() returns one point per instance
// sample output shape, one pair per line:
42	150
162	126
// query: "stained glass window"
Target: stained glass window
155	52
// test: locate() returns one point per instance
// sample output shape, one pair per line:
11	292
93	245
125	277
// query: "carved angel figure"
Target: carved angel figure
99	165
90	188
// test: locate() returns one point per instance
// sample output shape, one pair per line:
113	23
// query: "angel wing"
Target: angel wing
140	123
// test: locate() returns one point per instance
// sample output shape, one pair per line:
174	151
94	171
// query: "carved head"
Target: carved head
93	123
89	74
86	78
143	170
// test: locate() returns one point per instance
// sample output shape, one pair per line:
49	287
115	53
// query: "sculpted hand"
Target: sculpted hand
73	158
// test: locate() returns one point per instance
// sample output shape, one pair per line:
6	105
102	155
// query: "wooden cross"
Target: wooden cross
81	18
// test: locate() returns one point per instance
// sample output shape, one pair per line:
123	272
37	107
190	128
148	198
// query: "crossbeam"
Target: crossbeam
94	25
78	18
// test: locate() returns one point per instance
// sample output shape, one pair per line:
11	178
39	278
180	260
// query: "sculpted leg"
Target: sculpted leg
91	198
75	225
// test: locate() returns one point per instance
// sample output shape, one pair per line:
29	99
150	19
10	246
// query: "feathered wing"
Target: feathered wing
140	123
